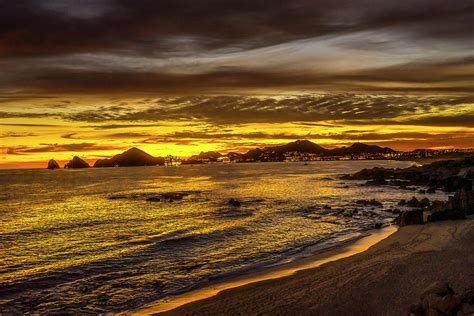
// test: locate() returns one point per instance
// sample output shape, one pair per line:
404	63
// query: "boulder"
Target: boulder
234	202
438	299
76	163
424	202
52	164
372	202
414	202
412	217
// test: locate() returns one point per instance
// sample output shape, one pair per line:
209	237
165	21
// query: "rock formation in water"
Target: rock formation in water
449	176
76	163
52	164
133	157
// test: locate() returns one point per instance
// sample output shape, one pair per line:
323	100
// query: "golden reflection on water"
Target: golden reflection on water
59	224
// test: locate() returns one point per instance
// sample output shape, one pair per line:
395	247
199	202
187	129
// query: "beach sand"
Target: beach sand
383	280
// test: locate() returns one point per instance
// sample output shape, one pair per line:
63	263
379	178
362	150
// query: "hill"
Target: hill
133	157
360	148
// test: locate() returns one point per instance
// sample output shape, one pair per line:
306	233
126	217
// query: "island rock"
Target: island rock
53	164
76	163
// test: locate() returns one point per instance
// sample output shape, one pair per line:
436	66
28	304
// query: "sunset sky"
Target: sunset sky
96	77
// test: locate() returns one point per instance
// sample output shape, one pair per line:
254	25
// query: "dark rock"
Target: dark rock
377	181
439	288
174	195
446	215
52	164
326	207
234	202
412	217
372	202
153	199
431	190
378	225
424	202
402	203
421	191
76	163
414	202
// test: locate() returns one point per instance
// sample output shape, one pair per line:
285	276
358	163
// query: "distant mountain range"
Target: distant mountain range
137	157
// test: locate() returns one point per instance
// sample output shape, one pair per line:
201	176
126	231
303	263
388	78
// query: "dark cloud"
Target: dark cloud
32	28
411	77
377	109
45	148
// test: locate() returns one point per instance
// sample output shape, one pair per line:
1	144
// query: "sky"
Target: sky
95	77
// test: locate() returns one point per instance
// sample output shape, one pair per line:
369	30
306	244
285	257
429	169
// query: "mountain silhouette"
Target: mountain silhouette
76	163
360	148
133	157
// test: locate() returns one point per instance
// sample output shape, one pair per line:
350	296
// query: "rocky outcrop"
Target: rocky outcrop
449	176
457	207
412	217
440	299
76	163
52	164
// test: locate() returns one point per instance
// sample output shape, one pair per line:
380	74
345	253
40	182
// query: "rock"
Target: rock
52	164
425	202
153	199
326	207
234	202
439	288
431	190
421	191
440	299
377	181
414	202
402	203
446	215
448	305
372	202
412	217
378	225
174	195
76	163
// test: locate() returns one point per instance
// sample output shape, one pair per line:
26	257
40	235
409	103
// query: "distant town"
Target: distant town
300	150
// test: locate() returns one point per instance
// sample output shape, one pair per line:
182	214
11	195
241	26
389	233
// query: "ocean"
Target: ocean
114	239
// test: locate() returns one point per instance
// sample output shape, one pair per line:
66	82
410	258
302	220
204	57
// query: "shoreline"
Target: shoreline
386	279
340	251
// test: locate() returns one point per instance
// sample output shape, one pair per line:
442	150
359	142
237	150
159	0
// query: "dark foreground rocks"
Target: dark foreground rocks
440	299
53	164
449	176
76	163
412	217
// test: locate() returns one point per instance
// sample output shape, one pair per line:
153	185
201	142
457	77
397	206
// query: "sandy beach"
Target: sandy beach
383	280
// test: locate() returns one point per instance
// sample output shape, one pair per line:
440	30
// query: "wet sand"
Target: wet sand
383	280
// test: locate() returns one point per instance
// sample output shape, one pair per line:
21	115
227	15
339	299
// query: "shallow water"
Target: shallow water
101	240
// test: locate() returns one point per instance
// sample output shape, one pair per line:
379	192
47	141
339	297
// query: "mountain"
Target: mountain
131	158
53	164
302	146
76	163
209	156
360	148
